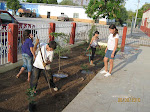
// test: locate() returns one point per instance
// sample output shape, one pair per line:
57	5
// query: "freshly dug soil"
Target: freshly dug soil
13	96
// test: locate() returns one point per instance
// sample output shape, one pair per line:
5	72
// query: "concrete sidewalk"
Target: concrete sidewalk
127	90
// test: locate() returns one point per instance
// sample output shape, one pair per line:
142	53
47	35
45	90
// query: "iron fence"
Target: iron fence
4	46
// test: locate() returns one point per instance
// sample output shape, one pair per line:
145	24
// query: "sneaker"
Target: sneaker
92	64
107	74
55	89
103	72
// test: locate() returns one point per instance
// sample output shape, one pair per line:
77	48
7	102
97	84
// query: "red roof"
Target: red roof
147	10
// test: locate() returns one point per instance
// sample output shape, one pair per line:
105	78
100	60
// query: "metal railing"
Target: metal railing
4	47
40	31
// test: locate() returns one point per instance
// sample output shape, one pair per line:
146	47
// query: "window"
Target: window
76	15
6	18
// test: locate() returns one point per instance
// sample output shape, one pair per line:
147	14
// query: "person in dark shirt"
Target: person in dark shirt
27	53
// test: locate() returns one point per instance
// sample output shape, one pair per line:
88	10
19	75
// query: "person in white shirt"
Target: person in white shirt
111	49
39	66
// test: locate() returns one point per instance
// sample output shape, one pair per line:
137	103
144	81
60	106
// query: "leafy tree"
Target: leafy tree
52	1
145	7
43	1
123	16
102	8
67	2
30	1
13	4
130	15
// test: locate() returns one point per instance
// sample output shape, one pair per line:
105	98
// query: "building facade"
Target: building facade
52	11
145	26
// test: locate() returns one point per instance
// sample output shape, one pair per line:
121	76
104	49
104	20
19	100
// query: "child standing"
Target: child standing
39	66
93	45
27	53
111	49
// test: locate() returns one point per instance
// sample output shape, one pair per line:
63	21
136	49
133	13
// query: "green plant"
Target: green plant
101	51
91	32
59	48
31	93
84	67
118	49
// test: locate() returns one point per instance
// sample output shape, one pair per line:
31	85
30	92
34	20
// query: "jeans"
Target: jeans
36	74
93	53
27	62
108	54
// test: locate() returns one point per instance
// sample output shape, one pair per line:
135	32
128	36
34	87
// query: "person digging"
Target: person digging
42	64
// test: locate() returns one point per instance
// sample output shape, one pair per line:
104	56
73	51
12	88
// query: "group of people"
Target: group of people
42	60
110	50
43	56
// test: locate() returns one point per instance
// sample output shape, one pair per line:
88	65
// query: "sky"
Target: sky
131	4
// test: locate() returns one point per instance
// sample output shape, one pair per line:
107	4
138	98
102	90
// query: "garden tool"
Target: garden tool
45	69
89	55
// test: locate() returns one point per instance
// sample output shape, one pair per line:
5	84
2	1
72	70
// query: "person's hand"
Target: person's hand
44	64
37	41
34	57
112	55
105	50
88	48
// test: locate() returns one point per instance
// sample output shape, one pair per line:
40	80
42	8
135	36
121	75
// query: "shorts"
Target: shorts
27	62
108	54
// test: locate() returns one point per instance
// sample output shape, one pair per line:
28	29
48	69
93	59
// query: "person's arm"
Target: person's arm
32	51
116	46
31	48
49	60
35	46
90	44
106	49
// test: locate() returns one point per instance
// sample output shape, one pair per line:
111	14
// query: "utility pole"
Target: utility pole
136	13
81	2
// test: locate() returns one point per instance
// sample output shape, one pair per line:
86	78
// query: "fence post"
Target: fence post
72	36
12	42
51	30
123	38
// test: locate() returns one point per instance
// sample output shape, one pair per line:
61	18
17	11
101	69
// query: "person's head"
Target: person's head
51	46
96	33
27	34
113	30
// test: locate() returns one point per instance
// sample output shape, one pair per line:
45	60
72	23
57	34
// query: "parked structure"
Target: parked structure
145	27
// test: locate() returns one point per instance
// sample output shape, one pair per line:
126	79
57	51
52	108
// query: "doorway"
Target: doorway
48	14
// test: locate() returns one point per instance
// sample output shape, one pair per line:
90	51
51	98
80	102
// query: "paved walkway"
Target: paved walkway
130	83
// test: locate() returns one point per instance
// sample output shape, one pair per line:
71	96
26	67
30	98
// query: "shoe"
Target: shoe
103	72
92	64
107	74
55	89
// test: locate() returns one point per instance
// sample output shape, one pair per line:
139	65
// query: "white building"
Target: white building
145	26
75	13
52	11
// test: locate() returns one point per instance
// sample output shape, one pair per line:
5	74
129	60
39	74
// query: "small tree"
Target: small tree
91	31
14	5
59	47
